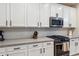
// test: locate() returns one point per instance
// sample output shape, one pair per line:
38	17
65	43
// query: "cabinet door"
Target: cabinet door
76	46
66	15
35	52
72	47
3	14
48	49
72	20
33	15
44	14
56	9
35	49
17	14
59	10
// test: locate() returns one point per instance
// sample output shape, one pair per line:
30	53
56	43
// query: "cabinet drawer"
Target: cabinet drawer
36	45
47	44
14	48
2	50
2	54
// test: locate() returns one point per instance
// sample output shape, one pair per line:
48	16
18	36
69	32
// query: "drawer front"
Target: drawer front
17	53
36	45
14	48
2	54
48	44
2	49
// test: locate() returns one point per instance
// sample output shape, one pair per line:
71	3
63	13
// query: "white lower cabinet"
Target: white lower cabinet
48	49
74	46
35	52
36	49
41	49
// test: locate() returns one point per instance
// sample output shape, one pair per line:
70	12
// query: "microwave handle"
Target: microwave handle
56	14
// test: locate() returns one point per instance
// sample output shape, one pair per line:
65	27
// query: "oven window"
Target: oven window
59	50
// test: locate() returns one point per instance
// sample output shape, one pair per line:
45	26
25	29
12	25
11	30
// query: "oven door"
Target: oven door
61	49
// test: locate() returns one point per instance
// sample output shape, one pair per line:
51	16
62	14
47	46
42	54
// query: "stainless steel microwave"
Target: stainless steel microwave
56	22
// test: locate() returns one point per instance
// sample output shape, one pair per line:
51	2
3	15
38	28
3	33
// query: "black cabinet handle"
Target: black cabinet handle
35	45
43	50
17	48
10	23
6	22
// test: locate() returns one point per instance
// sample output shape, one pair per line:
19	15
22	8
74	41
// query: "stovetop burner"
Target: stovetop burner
59	38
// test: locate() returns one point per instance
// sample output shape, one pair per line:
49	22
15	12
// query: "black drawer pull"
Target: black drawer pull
16	48
35	45
48	43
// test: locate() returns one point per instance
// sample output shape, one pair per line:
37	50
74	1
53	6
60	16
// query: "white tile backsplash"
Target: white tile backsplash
27	33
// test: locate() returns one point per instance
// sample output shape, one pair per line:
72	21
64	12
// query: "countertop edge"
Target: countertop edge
24	43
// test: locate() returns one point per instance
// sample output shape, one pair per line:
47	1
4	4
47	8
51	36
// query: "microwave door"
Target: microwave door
56	22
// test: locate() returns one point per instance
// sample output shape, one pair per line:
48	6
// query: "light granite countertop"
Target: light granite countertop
23	41
73	37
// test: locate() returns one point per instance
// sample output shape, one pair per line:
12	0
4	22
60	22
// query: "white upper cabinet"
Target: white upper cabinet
33	15
3	14
56	10
17	14
44	14
72	21
66	15
69	15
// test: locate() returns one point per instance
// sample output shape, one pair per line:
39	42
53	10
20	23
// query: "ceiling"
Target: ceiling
70	4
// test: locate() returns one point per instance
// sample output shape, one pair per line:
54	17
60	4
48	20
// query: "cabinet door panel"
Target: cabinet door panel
44	14
35	52
33	15
76	46
48	49
59	10
3	14
72	47
35	49
56	9
73	17
53	10
17	14
66	13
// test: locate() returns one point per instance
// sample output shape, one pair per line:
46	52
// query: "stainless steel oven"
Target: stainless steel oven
61	49
61	45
